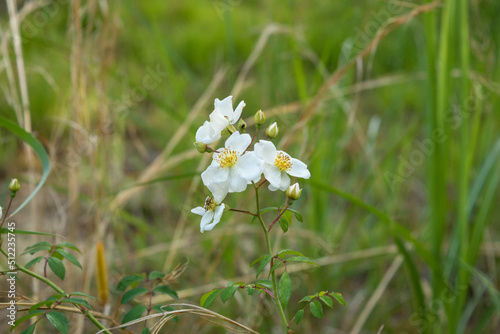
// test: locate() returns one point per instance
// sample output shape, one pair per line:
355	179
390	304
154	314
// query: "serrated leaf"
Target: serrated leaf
78	301
327	301
298	316
127	280
70	257
263	264
207	299
165	289
57	267
316	309
68	245
228	292
41	304
306	299
33	262
59	321
289	252
155	274
132	293
267	283
304	259
134	313
284	289
257	260
29	330
82	295
28	316
338	297
284	225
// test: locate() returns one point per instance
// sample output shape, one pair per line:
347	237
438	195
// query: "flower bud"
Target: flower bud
272	130
242	126
14	185
259	117
293	192
231	129
201	147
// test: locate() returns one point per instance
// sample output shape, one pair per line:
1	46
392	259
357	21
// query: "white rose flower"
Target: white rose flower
211	214
278	165
220	118
231	170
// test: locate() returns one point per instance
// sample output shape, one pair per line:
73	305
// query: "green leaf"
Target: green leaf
165	308
338	297
70	257
306	299
263	264
276	265
39	150
257	260
33	262
134	313
287	216
284	289
132	293
45	303
165	289
37	249
289	252
301	259
267	283
155	274
208	298
327	301
38	244
298	316
297	214
250	291
316	309
228	292
28	316
145	330
59	321
57	267
6	230
284	225
127	280
29	330
68	245
268	209
82	295
77	301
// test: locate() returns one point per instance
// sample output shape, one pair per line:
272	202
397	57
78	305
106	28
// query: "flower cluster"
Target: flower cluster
233	166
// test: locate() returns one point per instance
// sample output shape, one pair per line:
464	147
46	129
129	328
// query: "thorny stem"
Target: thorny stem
277	218
273	274
59	290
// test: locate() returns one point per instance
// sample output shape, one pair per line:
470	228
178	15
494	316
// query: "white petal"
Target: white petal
285	182
198	211
238	142
207	219
299	169
272	188
236	182
214	174
273	175
237	112
266	151
207	134
249	166
218	121
225	107
219	210
219	190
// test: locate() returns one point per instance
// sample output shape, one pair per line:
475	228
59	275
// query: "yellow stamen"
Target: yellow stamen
283	162
227	158
209	204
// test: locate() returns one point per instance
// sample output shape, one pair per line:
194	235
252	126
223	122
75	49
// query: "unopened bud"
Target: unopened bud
14	185
201	147
293	192
259	117
242	126
272	130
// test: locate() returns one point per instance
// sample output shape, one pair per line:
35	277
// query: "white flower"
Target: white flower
220	118
211	214
230	170
1	212
278	165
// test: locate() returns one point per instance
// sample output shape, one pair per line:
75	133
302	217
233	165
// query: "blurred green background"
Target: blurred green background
117	91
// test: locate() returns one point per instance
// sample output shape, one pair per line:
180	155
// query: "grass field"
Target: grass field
392	105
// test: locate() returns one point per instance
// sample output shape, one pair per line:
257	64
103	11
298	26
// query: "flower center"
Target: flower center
283	162
227	158
209	204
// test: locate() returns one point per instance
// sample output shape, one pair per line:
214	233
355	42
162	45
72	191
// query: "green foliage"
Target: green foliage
134	313
132	293
59	321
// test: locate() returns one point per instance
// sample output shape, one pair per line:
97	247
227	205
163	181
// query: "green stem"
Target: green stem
58	290
273	274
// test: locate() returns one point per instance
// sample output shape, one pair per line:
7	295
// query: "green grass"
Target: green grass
139	160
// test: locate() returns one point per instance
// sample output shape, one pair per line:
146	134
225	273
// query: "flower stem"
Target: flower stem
273	274
243	211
